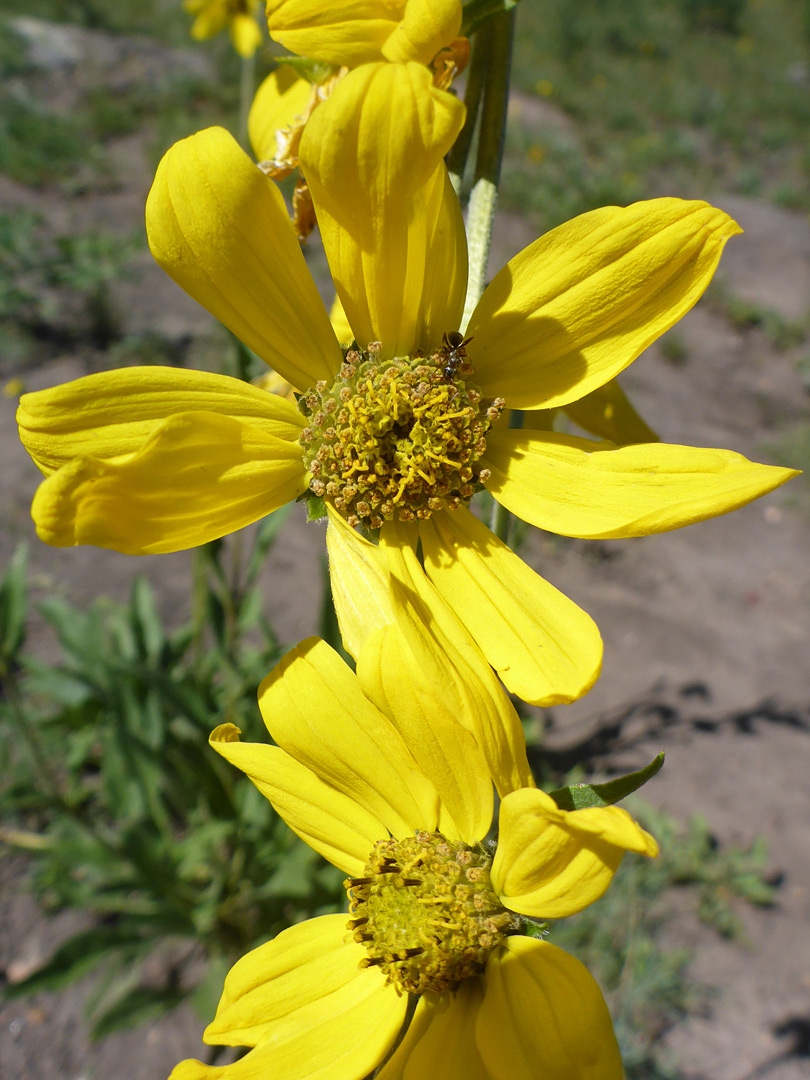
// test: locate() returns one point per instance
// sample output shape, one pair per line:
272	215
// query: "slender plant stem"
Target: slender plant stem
476	74
247	81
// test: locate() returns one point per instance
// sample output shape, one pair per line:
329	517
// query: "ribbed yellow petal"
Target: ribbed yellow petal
332	823
343	1035
550	862
424	713
340	324
444	656
341	32
114	413
219	227
307	964
198	477
609	414
279	101
578	305
245	34
440	1041
360	580
372	155
580	488
426	27
544	647
544	1016
314	708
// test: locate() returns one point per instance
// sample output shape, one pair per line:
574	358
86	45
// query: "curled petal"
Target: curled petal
550	862
609	414
281	101
580	488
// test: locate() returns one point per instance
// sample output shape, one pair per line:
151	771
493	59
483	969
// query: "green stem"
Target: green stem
501	519
247	85
476	74
484	195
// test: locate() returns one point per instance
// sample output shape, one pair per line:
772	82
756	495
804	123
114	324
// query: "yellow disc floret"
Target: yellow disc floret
396	438
426	912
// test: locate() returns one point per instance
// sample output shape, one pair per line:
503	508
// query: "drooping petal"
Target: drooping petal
314	708
352	32
578	305
609	414
545	648
219	227
543	1015
551	862
305	965
426	27
332	823
281	99
580	488
114	413
372	155
440	1041
343	1034
197	478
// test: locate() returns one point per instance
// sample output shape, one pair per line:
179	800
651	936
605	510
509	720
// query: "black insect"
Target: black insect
455	354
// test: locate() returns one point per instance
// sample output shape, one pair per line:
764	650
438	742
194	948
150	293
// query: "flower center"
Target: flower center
426	912
397	438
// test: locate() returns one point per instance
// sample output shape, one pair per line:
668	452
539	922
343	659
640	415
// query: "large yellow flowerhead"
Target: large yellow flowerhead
391	787
398	432
239	16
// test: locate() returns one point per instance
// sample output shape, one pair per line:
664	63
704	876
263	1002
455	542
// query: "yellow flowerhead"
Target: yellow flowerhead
212	16
436	910
398	432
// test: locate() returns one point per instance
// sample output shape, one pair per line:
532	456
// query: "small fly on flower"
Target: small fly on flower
455	355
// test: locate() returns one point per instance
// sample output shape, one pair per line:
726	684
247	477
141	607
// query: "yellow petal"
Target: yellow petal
340	324
423	713
544	1016
307	964
281	99
578	305
360	579
609	414
426	27
373	157
545	648
198	477
550	862
580	488
114	413
343	1035
332	823
314	708
246	36
440	1041
219	227
445	660
349	32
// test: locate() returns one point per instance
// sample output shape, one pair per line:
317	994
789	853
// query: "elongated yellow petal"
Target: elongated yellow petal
341	32
280	100
544	1016
314	708
440	1041
219	227
245	34
580	488
445	659
372	155
332	823
609	414
307	964
343	1035
360	580
198	477
578	305
550	862
544	647
426	27
114	413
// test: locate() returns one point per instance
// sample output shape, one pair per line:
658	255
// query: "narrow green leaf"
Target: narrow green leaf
476	13
581	796
314	71
78	955
140	1004
13	603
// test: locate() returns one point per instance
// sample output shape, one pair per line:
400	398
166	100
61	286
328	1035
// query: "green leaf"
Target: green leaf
582	796
314	71
13	603
145	619
140	1004
476	13
78	955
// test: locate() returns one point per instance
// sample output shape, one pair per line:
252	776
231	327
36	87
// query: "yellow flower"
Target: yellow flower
401	431
436	911
212	16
